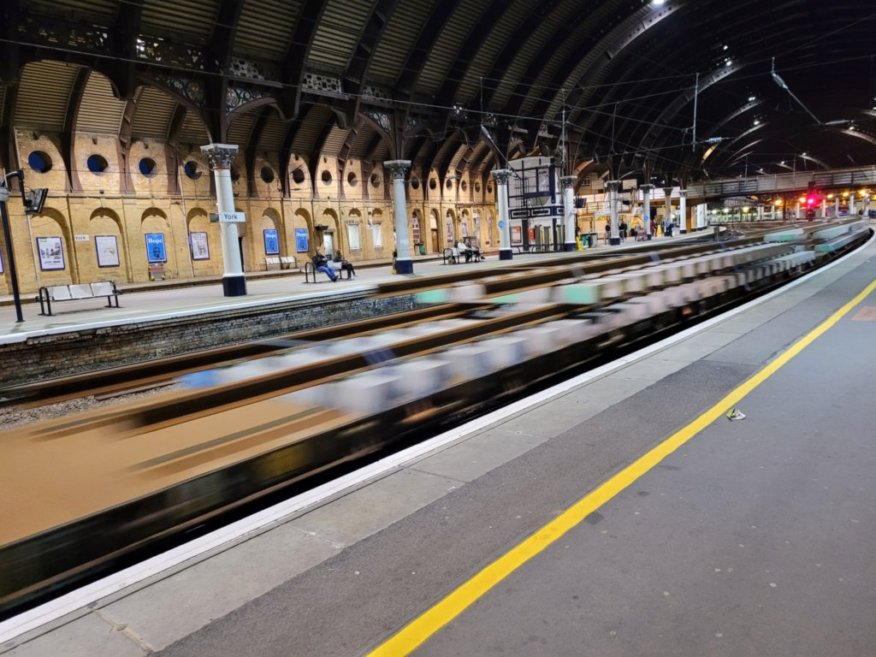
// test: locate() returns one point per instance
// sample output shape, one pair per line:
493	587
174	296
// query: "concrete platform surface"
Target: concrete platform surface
752	539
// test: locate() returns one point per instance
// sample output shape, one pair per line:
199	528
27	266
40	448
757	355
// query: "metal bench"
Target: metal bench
48	294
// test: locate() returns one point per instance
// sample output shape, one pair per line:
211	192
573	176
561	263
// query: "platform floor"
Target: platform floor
755	537
159	300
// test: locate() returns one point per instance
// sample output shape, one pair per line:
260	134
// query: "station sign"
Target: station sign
534	213
228	217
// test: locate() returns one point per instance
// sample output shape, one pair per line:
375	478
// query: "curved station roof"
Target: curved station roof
684	89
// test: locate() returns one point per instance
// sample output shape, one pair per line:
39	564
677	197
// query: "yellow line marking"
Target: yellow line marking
418	631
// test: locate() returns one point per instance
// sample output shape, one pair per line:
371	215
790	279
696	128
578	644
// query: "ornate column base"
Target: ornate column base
614	241
234	286
506	254
683	231
404	266
570	246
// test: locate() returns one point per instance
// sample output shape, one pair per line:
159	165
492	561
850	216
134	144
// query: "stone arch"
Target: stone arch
434	231
301	221
330	237
198	224
465	226
451	232
270	220
108	252
155	230
417	235
47	228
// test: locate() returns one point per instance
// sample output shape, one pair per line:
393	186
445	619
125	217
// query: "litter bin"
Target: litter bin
422	249
591	240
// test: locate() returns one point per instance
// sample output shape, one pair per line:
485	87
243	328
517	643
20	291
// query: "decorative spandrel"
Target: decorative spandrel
237	96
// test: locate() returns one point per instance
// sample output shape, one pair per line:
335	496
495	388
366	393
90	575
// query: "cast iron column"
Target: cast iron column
667	194
614	235
570	214
682	211
398	169
501	176
646	208
220	157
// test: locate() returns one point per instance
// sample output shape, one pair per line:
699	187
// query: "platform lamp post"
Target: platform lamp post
33	204
646	208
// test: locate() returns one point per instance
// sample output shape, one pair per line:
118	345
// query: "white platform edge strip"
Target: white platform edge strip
91	593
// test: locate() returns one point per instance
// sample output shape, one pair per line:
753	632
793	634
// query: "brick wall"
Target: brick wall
81	351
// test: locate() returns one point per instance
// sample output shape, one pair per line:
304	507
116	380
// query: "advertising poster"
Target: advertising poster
200	246
51	252
516	234
155	249
301	240
107	250
272	241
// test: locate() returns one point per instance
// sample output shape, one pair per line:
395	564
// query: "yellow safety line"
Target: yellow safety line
415	633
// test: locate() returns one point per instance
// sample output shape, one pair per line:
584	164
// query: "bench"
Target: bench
281	262
56	293
310	273
453	256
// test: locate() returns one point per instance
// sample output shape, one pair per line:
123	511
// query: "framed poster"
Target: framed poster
516	234
301	241
272	242
200	246
155	249
107	250
51	252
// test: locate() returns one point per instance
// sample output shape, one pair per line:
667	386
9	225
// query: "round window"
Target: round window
191	170
39	161
267	174
96	163
352	181
147	166
489	188
375	180
432	183
326	176
449	184
298	176
415	183
464	185
477	187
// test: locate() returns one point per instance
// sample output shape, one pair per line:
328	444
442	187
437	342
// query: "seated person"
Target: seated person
343	265
464	250
475	249
320	263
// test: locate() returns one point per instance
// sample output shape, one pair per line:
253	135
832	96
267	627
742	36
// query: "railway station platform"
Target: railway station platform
170	299
620	513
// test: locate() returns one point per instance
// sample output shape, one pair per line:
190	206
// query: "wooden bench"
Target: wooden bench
56	293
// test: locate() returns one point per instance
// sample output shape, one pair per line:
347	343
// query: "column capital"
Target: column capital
668	192
398	168
682	193
612	185
501	175
569	181
220	156
647	188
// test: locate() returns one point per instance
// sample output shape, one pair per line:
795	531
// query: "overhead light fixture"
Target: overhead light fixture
751	99
658	3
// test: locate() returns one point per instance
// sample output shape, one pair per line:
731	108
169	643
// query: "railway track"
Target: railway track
158	373
142	473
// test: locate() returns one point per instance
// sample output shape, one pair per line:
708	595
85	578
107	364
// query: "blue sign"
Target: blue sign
155	251
501	223
272	242
301	240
